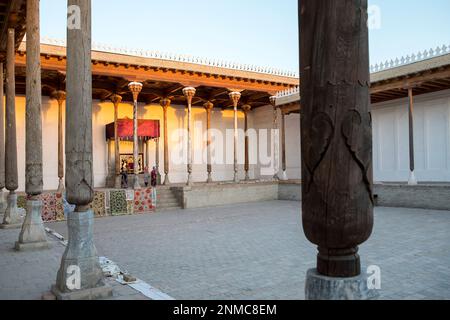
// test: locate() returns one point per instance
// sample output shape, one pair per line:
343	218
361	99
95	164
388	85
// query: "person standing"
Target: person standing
154	182
146	177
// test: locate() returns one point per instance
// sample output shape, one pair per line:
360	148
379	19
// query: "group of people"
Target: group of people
149	177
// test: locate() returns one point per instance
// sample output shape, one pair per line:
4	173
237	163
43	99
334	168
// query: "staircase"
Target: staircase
166	199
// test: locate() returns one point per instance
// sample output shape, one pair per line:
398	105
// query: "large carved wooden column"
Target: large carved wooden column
165	104
11	218
246	109
158	175
2	143
33	236
189	93
235	97
135	88
60	96
208	107
276	138
336	138
116	100
80	260
283	146
412	181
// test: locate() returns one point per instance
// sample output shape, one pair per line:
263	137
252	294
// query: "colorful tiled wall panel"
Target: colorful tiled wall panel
48	207
118	202
99	204
143	201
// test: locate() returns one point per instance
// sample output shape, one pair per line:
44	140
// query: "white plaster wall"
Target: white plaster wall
431	139
103	114
263	119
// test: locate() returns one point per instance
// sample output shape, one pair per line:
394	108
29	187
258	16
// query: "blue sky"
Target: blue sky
260	32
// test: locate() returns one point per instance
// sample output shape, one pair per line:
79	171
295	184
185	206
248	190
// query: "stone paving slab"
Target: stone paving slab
245	251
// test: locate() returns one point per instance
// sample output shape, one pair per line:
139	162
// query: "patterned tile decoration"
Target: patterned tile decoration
49	207
143	201
59	207
22	202
118	202
99	204
130	207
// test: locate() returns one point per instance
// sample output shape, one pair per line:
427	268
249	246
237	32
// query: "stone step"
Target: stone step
167	204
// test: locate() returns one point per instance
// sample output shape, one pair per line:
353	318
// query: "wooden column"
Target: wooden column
2	142
276	138
158	175
235	97
116	100
208	107
189	93
283	145
246	109
336	132
33	235
80	251
60	97
11	217
165	104
135	88
412	177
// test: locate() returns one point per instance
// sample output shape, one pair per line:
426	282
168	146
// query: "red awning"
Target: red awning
147	129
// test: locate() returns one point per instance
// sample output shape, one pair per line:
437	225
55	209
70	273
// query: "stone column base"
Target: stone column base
320	287
80	275
166	180
34	246
61	186
33	236
11	219
118	182
97	293
3	203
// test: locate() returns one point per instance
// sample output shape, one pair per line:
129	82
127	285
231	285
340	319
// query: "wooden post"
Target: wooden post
33	234
158	175
235	97
246	109
116	100
2	143
412	181
189	93
80	256
208	107
11	218
60	97
165	104
135	88
336	132
276	138
283	146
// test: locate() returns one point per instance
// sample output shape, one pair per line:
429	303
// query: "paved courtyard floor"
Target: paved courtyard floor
246	251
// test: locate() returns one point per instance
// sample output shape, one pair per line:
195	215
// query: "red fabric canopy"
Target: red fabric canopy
147	129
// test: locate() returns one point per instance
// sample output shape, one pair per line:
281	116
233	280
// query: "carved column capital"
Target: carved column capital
116	99
235	97
273	101
246	108
135	88
208	106
189	93
59	95
165	102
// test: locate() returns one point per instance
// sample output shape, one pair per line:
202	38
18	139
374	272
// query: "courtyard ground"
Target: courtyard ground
246	251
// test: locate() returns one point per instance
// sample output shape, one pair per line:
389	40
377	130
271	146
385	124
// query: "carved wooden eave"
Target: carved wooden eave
423	77
165	78
12	15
